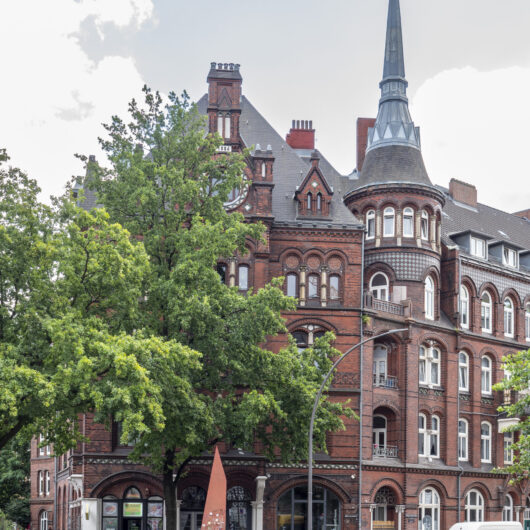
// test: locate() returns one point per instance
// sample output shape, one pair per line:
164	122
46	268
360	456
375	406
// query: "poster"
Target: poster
132	509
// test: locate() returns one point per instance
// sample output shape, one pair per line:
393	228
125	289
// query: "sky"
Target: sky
68	65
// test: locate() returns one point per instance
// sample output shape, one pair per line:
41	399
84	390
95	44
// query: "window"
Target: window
319	202
306	339
47	483
434	437
463	371
370	224
388	222
44	450
485	442
508	317
379	436
464	307
474	506
292	285
43	520
507	509
527	321
408	222
221	270
485	312
424	225
429	366
239	509
192	508
422	434
309	202
485	384
508	451
312	286
223	125
429	298
292	509
478	247
462	439
334	284
379	286
509	257
40	482
263	170
243	277
429	510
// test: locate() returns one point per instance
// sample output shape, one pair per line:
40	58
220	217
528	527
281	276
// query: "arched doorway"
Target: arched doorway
384	509
292	509
192	507
238	508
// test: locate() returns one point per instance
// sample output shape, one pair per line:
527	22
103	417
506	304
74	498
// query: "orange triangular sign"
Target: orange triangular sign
214	517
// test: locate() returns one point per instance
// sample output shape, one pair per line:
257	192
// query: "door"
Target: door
190	520
380	365
133	524
379	436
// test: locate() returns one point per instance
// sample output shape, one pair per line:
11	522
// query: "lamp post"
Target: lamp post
311	423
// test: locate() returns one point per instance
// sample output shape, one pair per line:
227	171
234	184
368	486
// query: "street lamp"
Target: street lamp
313	413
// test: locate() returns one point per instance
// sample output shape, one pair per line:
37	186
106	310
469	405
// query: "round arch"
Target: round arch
388	483
125	479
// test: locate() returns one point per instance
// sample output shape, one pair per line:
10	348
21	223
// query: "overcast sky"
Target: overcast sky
68	65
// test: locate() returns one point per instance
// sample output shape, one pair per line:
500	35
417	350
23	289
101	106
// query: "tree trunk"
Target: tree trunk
170	500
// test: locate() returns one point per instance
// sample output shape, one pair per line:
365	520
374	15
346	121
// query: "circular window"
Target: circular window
237	195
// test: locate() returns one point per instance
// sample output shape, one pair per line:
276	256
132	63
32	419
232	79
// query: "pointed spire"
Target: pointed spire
394	61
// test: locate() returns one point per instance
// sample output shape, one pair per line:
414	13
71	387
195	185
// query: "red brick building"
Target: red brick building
380	249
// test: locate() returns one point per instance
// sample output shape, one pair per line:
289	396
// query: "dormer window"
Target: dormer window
509	257
478	247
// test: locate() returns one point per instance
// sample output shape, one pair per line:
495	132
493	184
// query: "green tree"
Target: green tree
167	185
14	481
69	287
518	368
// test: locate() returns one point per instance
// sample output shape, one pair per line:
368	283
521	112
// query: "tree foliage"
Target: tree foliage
518	381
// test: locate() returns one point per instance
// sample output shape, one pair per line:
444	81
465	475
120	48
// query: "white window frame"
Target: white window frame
478	247
527	321
313	282
408	218
477	507
263	170
424	225
485	442
464	307
40	483
47	482
463	440
509	257
463	371
507	508
43	520
430	356
434	437
389	213
334	291
486	375
507	443
422	433
509	314
377	291
243	286
430	287
433	507
370	224
292	277
486	312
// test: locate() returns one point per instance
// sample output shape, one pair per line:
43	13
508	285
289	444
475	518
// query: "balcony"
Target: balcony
382	381
388	451
383	305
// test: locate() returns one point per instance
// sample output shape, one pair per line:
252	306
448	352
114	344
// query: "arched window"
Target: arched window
434	435
192	508
508	317
474	507
422	435
47	483
292	509
301	338
292	285
239	508
485	442
507	509
379	435
370	224
40	481
379	286
228	132
462	439
309	202
527	322
389	218
319	202
408	222
43	520
485	312
334	287
312	286
463	371
263	170
429	365
385	505
424	225
464	307
485	365
132	493
429	298
429	510
508	448
243	277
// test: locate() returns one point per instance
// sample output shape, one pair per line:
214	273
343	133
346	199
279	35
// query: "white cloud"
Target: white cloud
53	98
476	127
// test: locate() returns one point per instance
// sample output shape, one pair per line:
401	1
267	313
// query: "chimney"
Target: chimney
463	192
363	124
525	214
301	135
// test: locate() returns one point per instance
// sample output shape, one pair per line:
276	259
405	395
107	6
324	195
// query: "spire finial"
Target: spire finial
394	61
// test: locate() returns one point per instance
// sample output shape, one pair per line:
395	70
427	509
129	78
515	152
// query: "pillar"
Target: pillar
400	509
178	503
372	508
303	271
232	272
323	286
257	505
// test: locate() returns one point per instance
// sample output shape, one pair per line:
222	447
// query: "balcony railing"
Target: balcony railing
383	525
383	305
387	451
383	381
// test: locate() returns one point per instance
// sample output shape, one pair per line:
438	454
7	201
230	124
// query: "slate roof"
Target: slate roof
289	169
458	218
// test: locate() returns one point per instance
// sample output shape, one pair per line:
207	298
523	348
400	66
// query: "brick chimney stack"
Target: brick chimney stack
301	135
463	192
363	124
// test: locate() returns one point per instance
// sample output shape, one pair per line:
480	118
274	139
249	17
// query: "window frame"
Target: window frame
245	267
486	375
508	441
463	440
429	297
294	276
507	508
509	317
380	287
424	225
408	213
422	434
47	483
370	224
486	312
486	443
478	507
429	360
508	253
434	433
389	213
316	295
43	520
464	307
337	289
474	244
435	508
527	321
463	366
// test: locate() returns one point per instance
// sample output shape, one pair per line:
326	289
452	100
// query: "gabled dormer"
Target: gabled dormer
314	193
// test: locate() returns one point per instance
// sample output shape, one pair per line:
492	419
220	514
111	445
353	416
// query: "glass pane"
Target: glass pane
243	278
292	285
110	523
155	509
154	523
334	287
313	286
110	509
